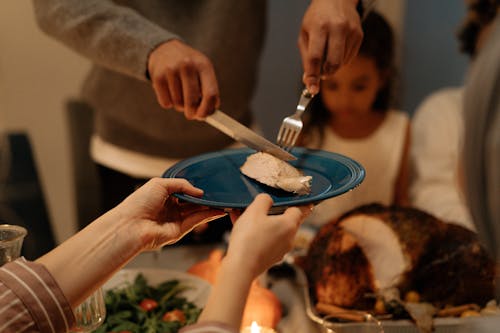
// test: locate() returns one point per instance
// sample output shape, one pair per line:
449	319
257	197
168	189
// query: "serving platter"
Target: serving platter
218	174
441	325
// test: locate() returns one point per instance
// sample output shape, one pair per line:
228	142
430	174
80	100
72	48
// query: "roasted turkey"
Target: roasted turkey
374	247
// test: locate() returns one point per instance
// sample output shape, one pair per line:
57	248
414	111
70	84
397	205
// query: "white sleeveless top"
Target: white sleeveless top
380	154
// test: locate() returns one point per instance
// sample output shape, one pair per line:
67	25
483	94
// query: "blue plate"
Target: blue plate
218	174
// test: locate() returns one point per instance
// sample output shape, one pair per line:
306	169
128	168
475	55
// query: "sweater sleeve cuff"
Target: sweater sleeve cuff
152	42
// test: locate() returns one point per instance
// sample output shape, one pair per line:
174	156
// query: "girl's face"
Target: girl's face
352	90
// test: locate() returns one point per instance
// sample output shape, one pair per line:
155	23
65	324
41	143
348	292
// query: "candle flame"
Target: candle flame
254	328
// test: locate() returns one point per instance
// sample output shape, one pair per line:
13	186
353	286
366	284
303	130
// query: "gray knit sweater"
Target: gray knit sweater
117	36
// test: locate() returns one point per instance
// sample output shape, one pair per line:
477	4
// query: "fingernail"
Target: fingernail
313	89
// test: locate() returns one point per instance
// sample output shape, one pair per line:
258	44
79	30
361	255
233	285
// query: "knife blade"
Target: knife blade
245	135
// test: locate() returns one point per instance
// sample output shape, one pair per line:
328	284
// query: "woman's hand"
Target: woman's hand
259	240
141	222
158	217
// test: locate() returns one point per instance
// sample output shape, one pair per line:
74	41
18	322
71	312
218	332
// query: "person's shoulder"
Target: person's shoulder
397	116
395	121
447	93
444	104
444	99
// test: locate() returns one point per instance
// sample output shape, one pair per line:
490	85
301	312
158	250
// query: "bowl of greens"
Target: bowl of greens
152	300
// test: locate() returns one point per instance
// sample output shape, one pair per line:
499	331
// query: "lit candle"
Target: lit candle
255	328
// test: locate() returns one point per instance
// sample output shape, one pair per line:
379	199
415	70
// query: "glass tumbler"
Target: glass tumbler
11	242
91	313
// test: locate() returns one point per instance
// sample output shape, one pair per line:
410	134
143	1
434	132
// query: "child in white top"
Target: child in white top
351	115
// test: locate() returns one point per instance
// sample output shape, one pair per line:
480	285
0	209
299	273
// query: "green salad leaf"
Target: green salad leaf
140	308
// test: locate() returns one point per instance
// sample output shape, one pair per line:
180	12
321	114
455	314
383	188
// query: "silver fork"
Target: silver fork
292	125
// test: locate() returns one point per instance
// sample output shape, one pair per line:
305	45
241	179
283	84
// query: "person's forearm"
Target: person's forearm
113	36
228	296
89	258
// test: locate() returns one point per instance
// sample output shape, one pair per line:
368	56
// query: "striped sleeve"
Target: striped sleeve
31	300
208	327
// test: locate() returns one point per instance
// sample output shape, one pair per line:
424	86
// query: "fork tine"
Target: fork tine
284	138
284	135
291	139
281	135
295	136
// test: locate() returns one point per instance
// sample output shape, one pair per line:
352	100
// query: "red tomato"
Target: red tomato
174	315
148	304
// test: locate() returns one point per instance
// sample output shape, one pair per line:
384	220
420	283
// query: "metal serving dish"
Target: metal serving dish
441	325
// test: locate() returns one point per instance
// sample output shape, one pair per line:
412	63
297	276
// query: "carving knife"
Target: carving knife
245	135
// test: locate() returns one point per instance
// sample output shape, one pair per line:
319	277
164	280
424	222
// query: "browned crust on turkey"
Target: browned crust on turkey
447	264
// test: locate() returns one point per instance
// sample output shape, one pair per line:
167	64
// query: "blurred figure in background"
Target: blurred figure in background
481	157
353	116
437	131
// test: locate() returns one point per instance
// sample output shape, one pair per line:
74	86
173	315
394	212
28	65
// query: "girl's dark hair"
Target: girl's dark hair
377	44
480	13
